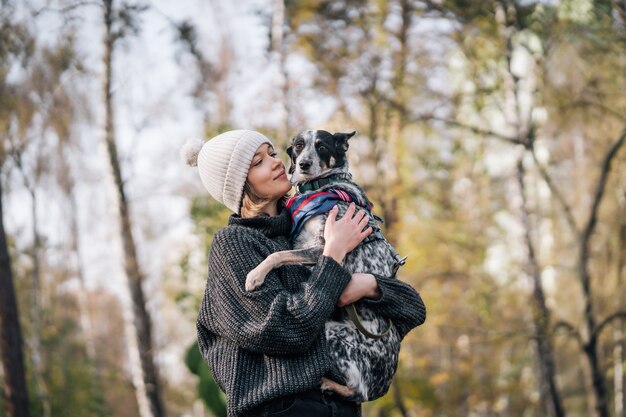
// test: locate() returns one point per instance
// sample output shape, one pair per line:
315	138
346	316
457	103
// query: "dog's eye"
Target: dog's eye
322	148
298	146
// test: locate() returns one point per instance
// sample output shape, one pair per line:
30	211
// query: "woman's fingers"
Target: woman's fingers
350	211
332	214
360	218
343	235
360	215
364	221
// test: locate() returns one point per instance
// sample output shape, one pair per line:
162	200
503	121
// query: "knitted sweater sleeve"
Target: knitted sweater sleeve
399	302
271	319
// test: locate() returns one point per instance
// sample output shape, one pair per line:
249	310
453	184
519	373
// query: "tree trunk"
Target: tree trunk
150	402
597	378
14	384
549	394
618	358
396	123
550	397
618	336
35	304
591	347
398	399
278	21
35	301
541	315
86	322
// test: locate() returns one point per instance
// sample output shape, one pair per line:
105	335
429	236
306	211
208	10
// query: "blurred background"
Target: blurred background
490	139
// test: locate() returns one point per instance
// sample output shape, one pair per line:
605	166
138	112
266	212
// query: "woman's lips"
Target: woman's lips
282	174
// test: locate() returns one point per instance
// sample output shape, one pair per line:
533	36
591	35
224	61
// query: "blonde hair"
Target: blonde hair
252	204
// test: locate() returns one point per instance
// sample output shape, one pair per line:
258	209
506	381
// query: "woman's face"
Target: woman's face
267	175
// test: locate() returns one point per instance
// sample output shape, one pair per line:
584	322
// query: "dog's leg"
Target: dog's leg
330	385
307	256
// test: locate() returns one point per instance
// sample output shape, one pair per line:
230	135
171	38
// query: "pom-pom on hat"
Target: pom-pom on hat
223	163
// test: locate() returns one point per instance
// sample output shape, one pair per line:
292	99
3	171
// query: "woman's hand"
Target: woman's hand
341	236
359	286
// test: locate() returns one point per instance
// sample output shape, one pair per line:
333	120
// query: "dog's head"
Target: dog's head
314	152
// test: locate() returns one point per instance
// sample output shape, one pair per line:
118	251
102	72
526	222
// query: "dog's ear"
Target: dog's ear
292	158
341	139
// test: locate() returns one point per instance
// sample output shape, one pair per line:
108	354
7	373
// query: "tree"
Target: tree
118	22
14	386
16	44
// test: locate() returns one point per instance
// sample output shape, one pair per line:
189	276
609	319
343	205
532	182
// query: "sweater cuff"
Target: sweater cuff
383	297
330	277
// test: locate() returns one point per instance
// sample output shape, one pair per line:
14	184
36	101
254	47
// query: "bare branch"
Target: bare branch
66	9
607	321
571	331
605	109
593	216
428	117
559	197
475	129
16	155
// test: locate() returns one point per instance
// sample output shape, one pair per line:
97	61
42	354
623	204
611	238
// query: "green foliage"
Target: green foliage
74	388
208	389
208	216
17	45
73	385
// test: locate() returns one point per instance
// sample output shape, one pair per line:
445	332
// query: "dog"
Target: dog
365	351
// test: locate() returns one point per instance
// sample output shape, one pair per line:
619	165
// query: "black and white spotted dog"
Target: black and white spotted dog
365	358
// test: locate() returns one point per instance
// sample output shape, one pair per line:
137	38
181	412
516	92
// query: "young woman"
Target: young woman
266	349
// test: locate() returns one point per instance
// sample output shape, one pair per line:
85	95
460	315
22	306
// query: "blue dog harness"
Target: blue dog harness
305	206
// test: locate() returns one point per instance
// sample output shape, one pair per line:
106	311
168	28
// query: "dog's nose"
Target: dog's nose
305	164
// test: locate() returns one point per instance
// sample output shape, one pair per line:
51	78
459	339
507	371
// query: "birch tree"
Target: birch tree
278	58
117	23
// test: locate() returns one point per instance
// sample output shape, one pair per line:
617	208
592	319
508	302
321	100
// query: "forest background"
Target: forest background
490	139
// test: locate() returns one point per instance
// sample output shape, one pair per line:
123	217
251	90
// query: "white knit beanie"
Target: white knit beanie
223	163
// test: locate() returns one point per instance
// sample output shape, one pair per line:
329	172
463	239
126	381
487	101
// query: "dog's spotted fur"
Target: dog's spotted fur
367	364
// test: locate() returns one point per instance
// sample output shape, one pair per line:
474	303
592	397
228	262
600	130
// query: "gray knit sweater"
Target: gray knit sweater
270	342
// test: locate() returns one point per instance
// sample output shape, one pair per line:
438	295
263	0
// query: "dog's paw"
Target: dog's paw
254	279
337	388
